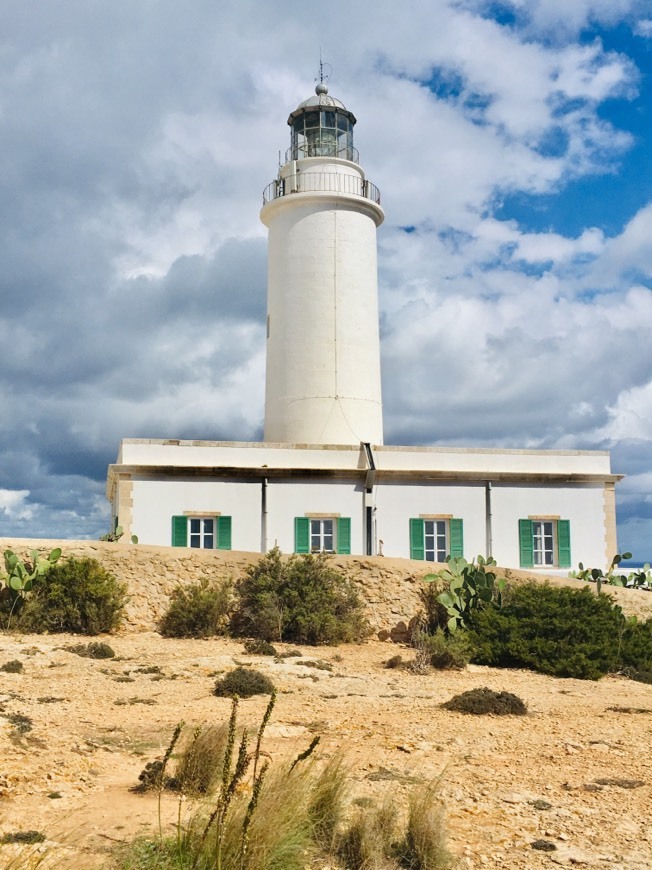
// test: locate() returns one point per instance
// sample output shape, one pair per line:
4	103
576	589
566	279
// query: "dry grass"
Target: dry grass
424	846
368	841
200	763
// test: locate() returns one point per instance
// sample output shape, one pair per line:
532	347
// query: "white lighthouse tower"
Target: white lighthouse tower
323	348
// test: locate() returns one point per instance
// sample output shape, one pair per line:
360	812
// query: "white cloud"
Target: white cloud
643	28
13	504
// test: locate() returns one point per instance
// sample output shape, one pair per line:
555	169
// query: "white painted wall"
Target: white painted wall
583	505
155	502
289	499
323	348
396	503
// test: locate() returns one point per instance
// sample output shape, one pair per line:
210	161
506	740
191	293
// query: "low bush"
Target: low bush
559	631
395	662
243	682
256	646
93	650
198	610
636	647
445	652
78	596
483	701
302	599
15	666
23	837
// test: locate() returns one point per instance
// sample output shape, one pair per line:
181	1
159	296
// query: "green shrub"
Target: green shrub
483	701
636	646
23	837
642	676
94	650
559	631
436	615
445	652
256	646
15	666
78	596
302	599
243	682
198	610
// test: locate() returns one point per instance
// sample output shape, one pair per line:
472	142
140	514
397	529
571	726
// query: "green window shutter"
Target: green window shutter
224	533
301	535
417	545
456	531
179	531
526	543
344	535
563	544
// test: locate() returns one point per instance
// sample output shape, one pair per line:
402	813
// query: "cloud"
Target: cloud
13	504
135	147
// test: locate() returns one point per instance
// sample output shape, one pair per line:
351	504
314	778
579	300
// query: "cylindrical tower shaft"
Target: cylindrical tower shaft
323	350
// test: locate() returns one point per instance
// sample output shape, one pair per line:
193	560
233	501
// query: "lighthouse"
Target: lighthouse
323	480
323	348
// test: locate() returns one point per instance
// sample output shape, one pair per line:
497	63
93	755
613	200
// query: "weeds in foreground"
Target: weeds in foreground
285	816
368	841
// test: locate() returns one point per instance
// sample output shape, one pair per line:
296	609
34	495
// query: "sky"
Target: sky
511	142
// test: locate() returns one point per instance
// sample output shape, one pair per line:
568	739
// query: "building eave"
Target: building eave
154	472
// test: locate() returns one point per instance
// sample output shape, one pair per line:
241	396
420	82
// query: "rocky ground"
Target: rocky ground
76	732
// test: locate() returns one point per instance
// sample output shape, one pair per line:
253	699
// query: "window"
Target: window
544	542
322	534
433	539
207	533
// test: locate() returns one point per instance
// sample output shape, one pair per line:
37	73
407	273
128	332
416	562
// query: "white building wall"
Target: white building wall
582	504
323	349
296	498
396	503
155	502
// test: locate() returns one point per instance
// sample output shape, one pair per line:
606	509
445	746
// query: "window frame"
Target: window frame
319	532
341	534
454	538
561	543
182	532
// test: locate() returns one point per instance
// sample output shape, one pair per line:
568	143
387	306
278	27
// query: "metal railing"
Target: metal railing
321	182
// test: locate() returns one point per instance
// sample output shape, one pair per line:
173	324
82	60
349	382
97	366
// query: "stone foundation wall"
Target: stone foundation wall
389	587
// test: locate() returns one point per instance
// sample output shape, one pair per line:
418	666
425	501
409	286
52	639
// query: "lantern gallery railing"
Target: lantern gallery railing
326	182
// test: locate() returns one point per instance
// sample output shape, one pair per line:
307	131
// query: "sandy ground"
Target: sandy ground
507	781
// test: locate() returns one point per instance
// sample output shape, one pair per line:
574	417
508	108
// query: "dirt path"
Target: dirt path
91	725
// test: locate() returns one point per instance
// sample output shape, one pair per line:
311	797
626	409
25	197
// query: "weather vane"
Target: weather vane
324	76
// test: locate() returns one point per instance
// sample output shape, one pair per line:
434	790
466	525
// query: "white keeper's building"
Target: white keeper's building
323	479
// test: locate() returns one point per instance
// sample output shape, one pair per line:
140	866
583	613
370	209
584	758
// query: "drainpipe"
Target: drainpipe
369	507
263	515
489	518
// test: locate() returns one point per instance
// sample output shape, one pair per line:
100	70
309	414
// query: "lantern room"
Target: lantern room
322	127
